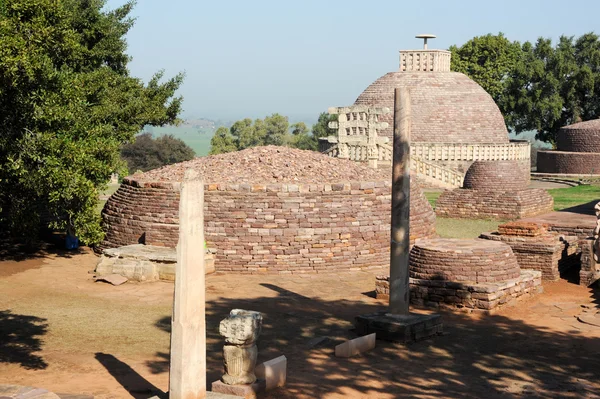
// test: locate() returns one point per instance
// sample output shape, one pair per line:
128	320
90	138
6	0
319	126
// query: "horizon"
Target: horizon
250	60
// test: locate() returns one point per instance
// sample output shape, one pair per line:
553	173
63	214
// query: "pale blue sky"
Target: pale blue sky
253	58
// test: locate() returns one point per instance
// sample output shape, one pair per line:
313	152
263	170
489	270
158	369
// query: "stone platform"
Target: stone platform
21	392
144	263
485	297
473	275
399	328
538	249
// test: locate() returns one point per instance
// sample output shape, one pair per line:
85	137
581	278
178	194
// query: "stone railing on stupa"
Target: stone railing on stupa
437	163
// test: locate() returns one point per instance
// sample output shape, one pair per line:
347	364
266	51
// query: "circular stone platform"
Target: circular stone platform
477	261
271	210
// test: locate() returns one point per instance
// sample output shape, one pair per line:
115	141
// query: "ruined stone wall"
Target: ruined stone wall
577	163
273	228
501	205
547	253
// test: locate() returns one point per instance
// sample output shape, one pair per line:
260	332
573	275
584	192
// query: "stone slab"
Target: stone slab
249	391
399	328
21	392
355	346
144	263
273	371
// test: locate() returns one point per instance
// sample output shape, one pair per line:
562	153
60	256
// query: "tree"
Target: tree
537	87
301	138
488	60
554	86
147	153
222	142
67	105
321	128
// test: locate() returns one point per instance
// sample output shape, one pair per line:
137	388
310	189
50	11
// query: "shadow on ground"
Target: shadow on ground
489	356
20	338
583	209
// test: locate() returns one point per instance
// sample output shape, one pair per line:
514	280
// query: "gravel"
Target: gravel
269	164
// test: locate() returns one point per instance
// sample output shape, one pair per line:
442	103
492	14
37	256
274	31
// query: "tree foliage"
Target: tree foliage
554	86
488	60
541	86
273	130
67	104
147	153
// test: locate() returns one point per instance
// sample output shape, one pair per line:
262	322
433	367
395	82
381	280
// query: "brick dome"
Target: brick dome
580	137
447	107
497	176
478	261
271	210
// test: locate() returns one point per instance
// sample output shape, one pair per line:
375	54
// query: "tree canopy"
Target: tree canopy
273	130
67	105
541	86
147	153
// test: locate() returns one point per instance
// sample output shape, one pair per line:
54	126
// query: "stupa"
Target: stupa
454	121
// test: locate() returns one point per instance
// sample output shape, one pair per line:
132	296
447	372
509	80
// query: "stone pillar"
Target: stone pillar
400	236
187	374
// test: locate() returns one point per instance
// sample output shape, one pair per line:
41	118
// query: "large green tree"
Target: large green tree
67	105
147	153
539	87
554	86
488	60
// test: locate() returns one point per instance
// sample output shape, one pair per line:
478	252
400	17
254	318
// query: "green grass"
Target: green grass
464	228
110	190
573	196
432	197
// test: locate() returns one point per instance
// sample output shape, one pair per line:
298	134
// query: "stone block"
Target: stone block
273	371
399	328
355	346
246	391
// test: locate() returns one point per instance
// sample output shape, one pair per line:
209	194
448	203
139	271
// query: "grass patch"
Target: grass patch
464	228
432	197
573	196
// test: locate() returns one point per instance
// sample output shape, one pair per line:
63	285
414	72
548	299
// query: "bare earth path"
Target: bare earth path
61	331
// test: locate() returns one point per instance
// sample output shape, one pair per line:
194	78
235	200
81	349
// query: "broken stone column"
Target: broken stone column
241	330
187	373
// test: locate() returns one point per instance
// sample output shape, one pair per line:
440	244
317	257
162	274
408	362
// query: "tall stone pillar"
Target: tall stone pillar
397	323
187	374
400	235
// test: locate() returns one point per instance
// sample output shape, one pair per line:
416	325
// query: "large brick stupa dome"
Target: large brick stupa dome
447	107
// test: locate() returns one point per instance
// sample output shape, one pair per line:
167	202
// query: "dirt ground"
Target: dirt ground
61	331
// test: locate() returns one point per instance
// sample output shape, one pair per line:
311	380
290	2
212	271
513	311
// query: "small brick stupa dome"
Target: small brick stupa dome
447	107
270	210
497	176
577	150
580	137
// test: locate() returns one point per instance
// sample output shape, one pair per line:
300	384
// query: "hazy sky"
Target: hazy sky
252	58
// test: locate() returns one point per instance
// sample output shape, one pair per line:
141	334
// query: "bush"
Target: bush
147	153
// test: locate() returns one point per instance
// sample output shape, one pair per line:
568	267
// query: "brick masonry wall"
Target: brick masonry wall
484	298
447	107
273	228
548	253
477	261
501	205
573	139
497	175
576	163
